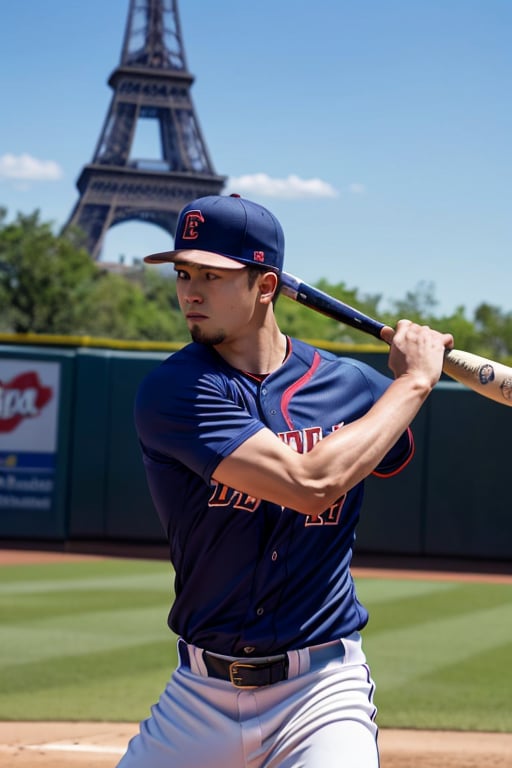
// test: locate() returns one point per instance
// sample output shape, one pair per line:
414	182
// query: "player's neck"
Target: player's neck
260	353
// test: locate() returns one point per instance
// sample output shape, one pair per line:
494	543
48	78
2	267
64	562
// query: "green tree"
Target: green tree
44	279
495	331
49	284
136	307
419	305
461	327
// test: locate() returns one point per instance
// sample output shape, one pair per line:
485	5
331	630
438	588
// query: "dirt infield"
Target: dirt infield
73	745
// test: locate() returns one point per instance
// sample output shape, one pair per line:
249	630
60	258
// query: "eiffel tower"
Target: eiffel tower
151	82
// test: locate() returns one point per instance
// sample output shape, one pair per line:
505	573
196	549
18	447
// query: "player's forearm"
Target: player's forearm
264	467
350	454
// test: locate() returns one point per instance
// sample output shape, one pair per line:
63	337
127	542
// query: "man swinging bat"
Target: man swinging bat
256	447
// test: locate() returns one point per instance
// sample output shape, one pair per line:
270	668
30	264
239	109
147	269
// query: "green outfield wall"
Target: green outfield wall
71	470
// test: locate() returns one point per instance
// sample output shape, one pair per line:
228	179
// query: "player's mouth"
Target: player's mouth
196	316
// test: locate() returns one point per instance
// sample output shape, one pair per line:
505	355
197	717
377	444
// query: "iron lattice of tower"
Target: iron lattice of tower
151	82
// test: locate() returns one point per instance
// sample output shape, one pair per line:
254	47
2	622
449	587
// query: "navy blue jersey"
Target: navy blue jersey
253	577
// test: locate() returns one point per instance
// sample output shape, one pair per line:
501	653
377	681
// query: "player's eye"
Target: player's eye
181	274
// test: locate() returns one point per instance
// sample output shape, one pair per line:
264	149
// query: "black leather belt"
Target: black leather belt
247	674
256	673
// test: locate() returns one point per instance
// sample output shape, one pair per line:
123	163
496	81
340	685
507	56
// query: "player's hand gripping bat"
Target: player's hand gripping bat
490	379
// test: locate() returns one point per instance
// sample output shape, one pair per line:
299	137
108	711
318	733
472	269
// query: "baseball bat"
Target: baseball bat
486	377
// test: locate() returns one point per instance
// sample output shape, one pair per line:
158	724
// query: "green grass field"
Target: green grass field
89	640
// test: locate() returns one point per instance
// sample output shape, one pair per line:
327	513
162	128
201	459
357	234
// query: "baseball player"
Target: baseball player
256	447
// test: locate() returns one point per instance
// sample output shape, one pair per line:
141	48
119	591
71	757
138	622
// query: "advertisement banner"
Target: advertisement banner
29	405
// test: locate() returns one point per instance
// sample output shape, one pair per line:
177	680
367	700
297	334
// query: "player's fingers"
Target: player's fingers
387	334
448	340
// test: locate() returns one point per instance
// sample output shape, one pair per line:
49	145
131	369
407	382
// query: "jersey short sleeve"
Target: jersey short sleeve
189	410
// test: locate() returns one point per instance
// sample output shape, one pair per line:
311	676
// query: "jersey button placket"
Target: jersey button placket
264	397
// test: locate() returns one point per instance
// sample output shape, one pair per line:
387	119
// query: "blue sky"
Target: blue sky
378	131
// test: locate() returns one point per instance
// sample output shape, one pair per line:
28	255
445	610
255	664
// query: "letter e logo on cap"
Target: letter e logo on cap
190	224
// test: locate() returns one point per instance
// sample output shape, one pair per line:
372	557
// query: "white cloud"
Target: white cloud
357	189
290	188
28	168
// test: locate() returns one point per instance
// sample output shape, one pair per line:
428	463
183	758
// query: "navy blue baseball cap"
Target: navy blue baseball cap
227	232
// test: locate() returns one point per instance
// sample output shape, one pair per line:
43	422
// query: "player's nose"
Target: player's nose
193	297
192	294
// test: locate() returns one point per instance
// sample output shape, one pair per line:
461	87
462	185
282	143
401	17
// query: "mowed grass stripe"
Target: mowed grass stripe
472	694
87	632
81	667
406	653
73	593
432	604
440	657
130	581
84	642
29	608
82	569
117	685
31	580
427	643
381	591
43	626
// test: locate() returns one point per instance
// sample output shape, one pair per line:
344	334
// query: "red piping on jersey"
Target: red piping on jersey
289	393
406	461
255	376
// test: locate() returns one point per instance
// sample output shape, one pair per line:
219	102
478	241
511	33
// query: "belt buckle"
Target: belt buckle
235	678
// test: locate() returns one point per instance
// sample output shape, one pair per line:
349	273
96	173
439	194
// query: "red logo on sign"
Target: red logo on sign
22	398
190	225
259	255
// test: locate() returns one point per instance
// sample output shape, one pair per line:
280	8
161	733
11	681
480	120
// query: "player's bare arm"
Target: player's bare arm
265	467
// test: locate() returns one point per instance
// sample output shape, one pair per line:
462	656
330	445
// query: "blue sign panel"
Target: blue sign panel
29	406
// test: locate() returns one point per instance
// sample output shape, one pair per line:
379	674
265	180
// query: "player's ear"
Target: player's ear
267	285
